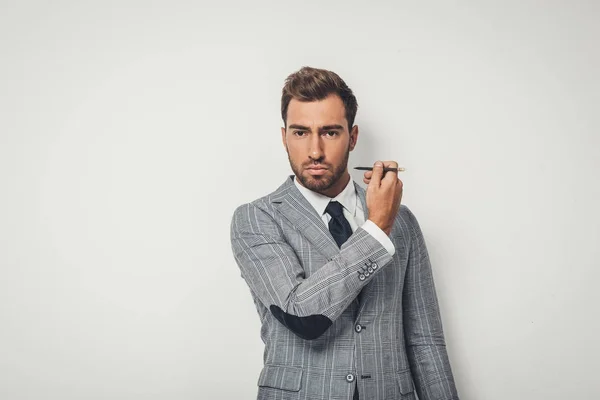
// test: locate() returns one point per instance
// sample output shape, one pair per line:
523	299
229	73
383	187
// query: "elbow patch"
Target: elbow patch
307	328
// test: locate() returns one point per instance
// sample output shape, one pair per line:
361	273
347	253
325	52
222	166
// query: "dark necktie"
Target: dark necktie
338	225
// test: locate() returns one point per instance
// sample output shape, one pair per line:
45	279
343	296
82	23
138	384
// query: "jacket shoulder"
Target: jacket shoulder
405	213
263	207
264	204
406	222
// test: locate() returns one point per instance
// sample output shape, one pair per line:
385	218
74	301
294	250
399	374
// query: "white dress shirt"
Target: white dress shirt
353	211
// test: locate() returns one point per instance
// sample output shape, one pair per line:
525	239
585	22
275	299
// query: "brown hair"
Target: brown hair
313	84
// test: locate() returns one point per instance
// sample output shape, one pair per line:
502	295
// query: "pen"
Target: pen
386	169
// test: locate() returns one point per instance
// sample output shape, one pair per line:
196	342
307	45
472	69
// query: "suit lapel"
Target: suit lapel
362	196
295	208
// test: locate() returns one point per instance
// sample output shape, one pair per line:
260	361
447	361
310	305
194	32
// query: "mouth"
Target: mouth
316	170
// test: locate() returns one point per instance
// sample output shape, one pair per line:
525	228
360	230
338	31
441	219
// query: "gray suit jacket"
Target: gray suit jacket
335	317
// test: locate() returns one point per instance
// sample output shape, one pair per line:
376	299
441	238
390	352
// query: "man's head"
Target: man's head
318	111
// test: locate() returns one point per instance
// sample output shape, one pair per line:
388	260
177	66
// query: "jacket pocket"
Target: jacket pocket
405	381
281	377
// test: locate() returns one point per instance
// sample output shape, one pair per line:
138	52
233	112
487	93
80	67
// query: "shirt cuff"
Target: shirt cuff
380	235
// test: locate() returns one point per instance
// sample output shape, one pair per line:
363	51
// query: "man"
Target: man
340	277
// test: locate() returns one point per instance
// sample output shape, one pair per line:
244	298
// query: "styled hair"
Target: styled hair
313	84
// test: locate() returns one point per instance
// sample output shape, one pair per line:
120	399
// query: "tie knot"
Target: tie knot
334	209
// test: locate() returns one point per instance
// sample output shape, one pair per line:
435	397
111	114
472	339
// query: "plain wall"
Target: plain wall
130	131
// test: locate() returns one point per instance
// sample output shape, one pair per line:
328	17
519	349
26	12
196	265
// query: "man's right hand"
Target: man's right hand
384	193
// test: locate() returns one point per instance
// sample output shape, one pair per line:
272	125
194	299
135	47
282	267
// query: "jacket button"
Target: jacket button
374	265
362	277
358	328
350	378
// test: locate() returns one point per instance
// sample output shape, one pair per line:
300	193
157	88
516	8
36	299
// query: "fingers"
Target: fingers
367	177
376	174
390	176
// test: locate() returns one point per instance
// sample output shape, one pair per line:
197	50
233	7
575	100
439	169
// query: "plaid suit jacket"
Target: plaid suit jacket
332	317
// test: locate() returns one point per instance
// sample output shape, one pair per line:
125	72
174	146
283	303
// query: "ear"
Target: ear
283	138
353	137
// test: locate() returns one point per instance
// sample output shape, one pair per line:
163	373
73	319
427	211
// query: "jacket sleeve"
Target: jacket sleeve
426	347
270	267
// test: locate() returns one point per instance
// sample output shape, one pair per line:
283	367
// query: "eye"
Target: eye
331	133
299	133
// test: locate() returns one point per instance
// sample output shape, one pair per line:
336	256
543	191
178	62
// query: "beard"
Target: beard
320	183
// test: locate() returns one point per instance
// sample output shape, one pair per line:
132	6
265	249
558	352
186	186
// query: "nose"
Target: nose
316	148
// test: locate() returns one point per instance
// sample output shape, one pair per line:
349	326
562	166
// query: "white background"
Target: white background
130	131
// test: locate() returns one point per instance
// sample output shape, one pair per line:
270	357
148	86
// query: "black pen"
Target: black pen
386	169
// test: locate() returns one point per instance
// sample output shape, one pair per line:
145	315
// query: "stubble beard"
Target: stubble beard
321	183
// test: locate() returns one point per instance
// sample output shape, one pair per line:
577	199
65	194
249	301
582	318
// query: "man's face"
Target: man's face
318	144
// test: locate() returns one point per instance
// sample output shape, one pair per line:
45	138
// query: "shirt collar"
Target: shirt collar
347	198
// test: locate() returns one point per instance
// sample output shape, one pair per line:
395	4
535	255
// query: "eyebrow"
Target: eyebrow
322	128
